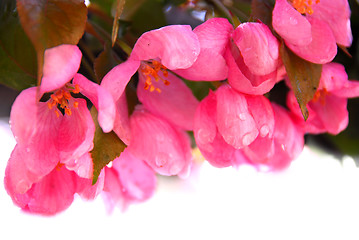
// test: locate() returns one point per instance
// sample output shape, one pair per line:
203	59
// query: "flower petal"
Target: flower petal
234	121
158	143
175	102
60	65
292	26
322	49
176	45
102	100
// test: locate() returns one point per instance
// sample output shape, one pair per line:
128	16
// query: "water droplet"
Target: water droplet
161	159
202	136
242	116
264	130
283	147
247	139
293	21
27	149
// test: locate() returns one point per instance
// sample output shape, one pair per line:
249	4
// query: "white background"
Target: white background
316	198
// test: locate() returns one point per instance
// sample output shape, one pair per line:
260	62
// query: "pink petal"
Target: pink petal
258	47
260	150
210	65
82	166
158	143
76	132
122	121
322	49
115	81
112	190
60	65
234	121
138	180
176	45
88	191
174	103
333	113
260	84
18	179
292	26
35	128
53	194
102	100
337	15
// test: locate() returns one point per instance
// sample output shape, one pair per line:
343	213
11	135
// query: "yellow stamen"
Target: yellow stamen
61	99
320	96
150	70
304	6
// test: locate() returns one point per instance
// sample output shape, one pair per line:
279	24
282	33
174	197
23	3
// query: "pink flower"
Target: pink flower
55	133
311	29
129	180
155	52
227	120
328	109
164	147
253	59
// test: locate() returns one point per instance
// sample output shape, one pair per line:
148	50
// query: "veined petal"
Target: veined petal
292	26
234	121
176	45
337	15
53	194
322	49
101	98
258	48
60	65
138	180
35	128
115	81
175	102
76	132
158	143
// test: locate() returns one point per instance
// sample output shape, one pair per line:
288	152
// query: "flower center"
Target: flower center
151	70
320	95
61	98
304	6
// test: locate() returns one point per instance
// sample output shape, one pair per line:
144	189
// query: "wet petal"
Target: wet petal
176	45
102	100
175	102
60	65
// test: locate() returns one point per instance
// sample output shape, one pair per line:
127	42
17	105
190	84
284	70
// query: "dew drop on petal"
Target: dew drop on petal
161	159
283	147
247	139
264	130
293	21
28	150
242	116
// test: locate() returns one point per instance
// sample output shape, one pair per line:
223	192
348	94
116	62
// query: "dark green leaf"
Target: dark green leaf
107	146
304	77
262	10
17	55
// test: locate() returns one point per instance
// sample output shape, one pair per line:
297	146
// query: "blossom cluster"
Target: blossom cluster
235	124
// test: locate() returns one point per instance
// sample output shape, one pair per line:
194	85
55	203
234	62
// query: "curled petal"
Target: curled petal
102	100
175	102
234	121
122	121
176	45
292	26
158	143
61	63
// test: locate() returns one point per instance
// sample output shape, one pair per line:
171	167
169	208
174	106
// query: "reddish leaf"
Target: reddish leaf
262	10
304	77
49	23
104	62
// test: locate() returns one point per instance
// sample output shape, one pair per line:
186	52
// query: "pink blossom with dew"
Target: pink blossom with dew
164	147
227	121
129	180
328	109
253	59
56	133
311	29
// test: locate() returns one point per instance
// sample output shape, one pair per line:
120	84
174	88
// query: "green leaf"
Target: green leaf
151	13
304	77
49	23
262	10
107	147
17	55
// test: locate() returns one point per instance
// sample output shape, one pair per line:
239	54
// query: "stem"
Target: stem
223	9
